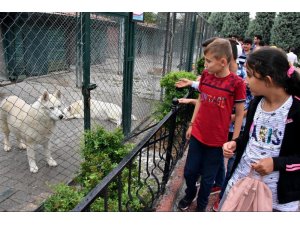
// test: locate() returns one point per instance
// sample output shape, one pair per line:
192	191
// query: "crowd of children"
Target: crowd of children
268	141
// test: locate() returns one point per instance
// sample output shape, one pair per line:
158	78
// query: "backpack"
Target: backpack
248	195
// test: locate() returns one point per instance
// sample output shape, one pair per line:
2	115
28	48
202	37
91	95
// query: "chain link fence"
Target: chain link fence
44	52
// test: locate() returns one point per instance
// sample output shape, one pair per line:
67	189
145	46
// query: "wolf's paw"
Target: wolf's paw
34	169
52	162
22	146
7	148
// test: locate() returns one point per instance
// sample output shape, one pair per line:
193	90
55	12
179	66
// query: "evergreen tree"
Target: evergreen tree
149	17
262	25
252	30
205	15
216	19
285	32
235	23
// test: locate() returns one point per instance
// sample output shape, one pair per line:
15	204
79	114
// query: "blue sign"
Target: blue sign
138	16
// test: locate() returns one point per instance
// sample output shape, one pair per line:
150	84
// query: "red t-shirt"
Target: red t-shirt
218	96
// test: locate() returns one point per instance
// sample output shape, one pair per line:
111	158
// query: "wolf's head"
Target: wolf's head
75	110
51	104
68	112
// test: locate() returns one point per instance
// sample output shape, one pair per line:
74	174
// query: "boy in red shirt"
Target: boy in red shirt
220	90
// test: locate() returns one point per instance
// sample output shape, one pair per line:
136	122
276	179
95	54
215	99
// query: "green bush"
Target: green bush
200	65
168	83
64	199
102	151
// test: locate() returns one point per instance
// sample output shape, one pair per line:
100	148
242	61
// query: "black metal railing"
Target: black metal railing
141	177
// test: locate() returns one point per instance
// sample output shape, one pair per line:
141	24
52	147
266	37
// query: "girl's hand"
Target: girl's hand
187	101
263	166
229	148
188	133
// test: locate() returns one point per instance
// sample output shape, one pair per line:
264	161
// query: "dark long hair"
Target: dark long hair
268	61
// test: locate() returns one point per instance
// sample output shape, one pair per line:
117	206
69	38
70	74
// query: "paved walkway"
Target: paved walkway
192	208
175	192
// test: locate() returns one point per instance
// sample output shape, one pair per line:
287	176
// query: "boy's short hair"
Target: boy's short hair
248	41
258	36
208	41
220	48
233	44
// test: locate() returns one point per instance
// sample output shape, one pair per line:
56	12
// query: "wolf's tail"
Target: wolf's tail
3	96
3	118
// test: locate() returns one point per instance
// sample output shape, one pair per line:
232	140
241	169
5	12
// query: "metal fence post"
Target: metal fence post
171	43
87	86
172	127
166	51
202	27
183	41
128	73
191	44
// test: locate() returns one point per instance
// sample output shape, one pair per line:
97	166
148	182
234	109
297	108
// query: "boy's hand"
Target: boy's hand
183	82
263	166
232	118
229	148
188	133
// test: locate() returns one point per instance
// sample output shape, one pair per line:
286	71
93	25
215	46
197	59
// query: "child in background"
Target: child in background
219	91
270	144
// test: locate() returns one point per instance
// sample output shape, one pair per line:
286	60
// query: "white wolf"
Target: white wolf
99	109
31	124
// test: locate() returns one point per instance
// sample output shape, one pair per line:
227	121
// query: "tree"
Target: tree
235	23
262	25
150	17
205	15
216	19
252	30
285	32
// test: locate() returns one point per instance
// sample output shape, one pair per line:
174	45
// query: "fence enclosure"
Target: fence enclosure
100	56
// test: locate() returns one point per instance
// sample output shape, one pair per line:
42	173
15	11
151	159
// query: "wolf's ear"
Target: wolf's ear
45	96
69	108
57	94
